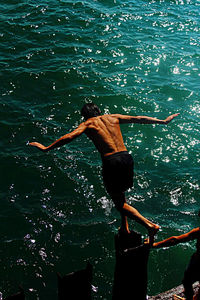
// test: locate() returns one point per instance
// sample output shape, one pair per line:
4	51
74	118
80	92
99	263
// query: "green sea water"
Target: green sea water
130	57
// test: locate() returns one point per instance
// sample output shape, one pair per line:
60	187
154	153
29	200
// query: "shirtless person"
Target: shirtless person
105	133
192	273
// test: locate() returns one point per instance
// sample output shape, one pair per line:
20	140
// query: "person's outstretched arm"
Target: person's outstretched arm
144	119
65	139
174	240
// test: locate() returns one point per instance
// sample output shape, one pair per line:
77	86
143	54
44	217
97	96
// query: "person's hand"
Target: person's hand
171	117
39	146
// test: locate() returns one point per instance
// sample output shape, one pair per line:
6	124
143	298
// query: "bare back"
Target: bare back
105	133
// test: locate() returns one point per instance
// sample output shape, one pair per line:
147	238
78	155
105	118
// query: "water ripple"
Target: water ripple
131	57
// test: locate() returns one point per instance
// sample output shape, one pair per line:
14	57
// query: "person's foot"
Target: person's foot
146	241
152	232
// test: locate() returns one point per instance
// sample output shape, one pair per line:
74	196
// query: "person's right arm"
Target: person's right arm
144	119
65	139
174	240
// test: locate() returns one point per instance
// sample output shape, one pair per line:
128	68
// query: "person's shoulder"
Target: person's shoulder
91	122
106	117
118	116
111	117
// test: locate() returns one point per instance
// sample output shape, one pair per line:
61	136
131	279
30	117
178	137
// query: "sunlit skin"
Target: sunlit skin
105	133
194	234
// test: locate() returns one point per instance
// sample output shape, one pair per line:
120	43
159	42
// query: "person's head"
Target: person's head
90	110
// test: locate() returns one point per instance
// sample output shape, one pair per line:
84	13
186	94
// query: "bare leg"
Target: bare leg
129	211
124	223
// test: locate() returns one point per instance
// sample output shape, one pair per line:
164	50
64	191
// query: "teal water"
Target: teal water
132	57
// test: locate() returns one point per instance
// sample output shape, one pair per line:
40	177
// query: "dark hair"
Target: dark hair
90	110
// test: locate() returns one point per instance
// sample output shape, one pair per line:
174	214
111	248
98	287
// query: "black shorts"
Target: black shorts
118	172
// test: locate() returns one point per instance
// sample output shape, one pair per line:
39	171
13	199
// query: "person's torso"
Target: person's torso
105	133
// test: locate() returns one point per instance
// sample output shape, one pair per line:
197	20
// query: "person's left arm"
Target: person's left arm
144	119
65	139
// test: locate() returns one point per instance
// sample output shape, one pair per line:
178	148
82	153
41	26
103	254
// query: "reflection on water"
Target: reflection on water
137	58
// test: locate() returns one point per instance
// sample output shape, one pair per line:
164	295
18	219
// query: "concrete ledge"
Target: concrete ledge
169	294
